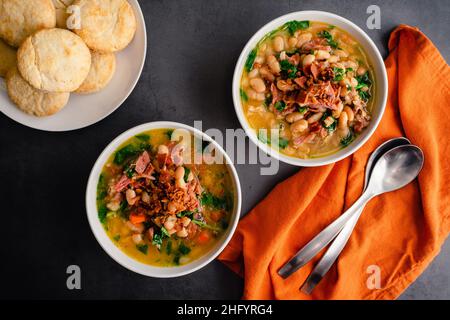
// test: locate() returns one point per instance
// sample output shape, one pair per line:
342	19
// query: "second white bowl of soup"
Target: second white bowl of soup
163	199
310	88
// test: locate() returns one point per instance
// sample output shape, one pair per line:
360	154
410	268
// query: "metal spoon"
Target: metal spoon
339	243
394	170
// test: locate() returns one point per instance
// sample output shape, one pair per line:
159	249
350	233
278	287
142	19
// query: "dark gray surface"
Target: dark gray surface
193	46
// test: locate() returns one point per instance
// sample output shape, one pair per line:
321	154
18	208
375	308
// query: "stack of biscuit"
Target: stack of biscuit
44	59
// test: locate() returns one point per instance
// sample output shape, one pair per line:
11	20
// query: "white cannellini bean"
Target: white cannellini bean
278	44
294	116
145	197
353	82
113	205
315	117
180	183
137	238
259	59
333	59
361	71
273	64
179	173
185	221
139	228
252	94
322	55
130	196
341	53
171	207
303	38
266	74
182	233
292	42
299	126
162	149
258	85
350	113
308	59
343	121
169	224
254	73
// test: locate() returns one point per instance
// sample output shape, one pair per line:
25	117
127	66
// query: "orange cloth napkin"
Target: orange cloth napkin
400	232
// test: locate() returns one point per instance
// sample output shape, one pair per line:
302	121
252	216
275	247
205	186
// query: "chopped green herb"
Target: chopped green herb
102	212
250	60
288	69
185	214
212	201
102	187
268	100
176	259
302	110
331	127
183	249
204	225
143	137
326	35
169	247
331	27
348	139
364	81
187	171
339	74
129	171
169	133
280	105
142	248
262	136
244	96
117	237
164	232
295	25
127	152
158	239
283	143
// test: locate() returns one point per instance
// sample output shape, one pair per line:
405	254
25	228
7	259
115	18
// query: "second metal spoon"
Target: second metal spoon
394	170
341	239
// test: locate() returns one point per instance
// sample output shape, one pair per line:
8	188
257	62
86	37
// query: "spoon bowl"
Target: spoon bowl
395	169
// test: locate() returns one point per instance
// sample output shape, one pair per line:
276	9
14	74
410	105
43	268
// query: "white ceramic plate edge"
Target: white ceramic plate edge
38	124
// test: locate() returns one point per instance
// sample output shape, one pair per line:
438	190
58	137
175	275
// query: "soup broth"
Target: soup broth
307	89
159	208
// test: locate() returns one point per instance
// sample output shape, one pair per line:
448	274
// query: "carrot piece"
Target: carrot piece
137	218
203	237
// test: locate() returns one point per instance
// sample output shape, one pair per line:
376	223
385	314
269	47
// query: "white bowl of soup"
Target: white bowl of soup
310	88
163	199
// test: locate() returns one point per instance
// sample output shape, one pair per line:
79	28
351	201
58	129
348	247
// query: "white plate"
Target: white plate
117	254
84	110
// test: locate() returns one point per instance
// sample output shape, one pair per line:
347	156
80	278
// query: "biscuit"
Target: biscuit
103	66
61	12
7	58
54	60
21	18
106	25
31	100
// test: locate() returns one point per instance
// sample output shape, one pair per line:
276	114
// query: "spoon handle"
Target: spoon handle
331	255
323	238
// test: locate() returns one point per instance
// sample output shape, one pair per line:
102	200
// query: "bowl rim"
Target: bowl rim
377	60
139	17
117	254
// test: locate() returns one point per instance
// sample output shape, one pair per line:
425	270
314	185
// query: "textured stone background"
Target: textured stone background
193	47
